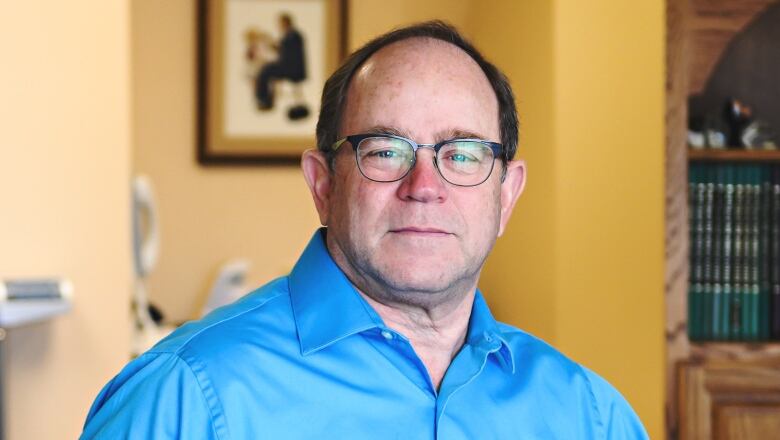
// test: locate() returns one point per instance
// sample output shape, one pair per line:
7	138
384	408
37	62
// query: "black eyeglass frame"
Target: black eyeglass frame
356	139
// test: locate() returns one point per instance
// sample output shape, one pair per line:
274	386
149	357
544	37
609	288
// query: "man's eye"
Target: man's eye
461	157
385	154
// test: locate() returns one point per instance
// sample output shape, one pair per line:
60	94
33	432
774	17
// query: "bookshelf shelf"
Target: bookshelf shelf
742	351
733	155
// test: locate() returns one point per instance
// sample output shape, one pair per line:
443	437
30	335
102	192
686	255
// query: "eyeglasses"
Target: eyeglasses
388	158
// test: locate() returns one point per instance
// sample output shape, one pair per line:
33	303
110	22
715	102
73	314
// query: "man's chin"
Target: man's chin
420	279
420	251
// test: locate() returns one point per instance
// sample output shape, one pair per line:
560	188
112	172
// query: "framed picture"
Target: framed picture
262	65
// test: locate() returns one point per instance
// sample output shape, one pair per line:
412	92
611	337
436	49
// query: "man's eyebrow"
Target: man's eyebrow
458	134
382	129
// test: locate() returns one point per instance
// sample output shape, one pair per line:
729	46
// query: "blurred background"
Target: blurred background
94	93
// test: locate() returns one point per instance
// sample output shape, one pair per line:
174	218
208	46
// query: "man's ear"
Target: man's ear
511	188
318	177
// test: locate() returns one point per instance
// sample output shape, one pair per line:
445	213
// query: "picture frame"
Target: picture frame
262	65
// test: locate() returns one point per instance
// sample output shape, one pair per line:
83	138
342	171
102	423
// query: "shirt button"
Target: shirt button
487	336
387	335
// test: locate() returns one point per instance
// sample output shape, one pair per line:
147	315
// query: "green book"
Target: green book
721	289
755	273
706	312
724	310
727	277
764	255
696	191
754	262
711	291
744	316
742	210
696	312
753	321
736	310
716	310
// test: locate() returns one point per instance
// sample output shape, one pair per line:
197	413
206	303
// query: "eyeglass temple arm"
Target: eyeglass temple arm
338	144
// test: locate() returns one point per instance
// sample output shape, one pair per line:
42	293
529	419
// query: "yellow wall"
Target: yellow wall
610	210
582	262
520	279
370	18
64	167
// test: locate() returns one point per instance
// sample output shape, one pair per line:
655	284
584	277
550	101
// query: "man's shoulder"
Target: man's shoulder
533	355
539	362
526	345
264	310
177	376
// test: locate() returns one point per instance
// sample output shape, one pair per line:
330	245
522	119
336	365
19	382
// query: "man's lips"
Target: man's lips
419	230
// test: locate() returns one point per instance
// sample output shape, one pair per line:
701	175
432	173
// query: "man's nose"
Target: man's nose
423	183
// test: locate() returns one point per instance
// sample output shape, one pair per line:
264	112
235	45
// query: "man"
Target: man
290	65
379	332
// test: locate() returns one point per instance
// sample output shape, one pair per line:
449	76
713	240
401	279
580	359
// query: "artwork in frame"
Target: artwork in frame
262	65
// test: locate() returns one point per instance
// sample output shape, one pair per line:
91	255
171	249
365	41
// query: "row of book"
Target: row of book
734	289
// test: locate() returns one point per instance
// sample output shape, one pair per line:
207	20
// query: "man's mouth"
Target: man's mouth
420	231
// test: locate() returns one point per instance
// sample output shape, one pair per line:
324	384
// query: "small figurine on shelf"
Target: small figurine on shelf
707	132
733	127
706	129
737	116
747	132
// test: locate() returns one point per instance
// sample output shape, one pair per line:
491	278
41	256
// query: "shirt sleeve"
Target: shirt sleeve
156	396
617	417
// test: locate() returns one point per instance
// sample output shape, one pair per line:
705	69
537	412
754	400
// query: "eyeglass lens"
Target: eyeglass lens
386	159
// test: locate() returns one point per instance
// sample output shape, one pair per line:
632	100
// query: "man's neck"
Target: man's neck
436	335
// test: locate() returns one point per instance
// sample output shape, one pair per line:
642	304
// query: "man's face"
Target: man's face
419	234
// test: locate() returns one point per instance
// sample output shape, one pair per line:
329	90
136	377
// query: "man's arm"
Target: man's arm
155	396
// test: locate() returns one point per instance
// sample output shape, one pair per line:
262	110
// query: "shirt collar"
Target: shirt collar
484	332
327	308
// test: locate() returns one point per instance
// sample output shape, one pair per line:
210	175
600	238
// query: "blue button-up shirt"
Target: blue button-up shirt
306	357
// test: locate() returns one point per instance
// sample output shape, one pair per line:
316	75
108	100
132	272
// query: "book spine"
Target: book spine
755	216
721	290
696	215
710	300
728	274
764	255
741	238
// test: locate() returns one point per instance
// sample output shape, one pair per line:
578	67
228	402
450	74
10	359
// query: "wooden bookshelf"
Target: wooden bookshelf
698	34
733	155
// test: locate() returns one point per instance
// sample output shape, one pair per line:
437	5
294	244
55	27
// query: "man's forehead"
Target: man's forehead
422	85
416	54
440	135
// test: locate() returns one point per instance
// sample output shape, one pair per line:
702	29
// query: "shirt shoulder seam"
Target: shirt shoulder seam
594	400
505	328
205	400
181	347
